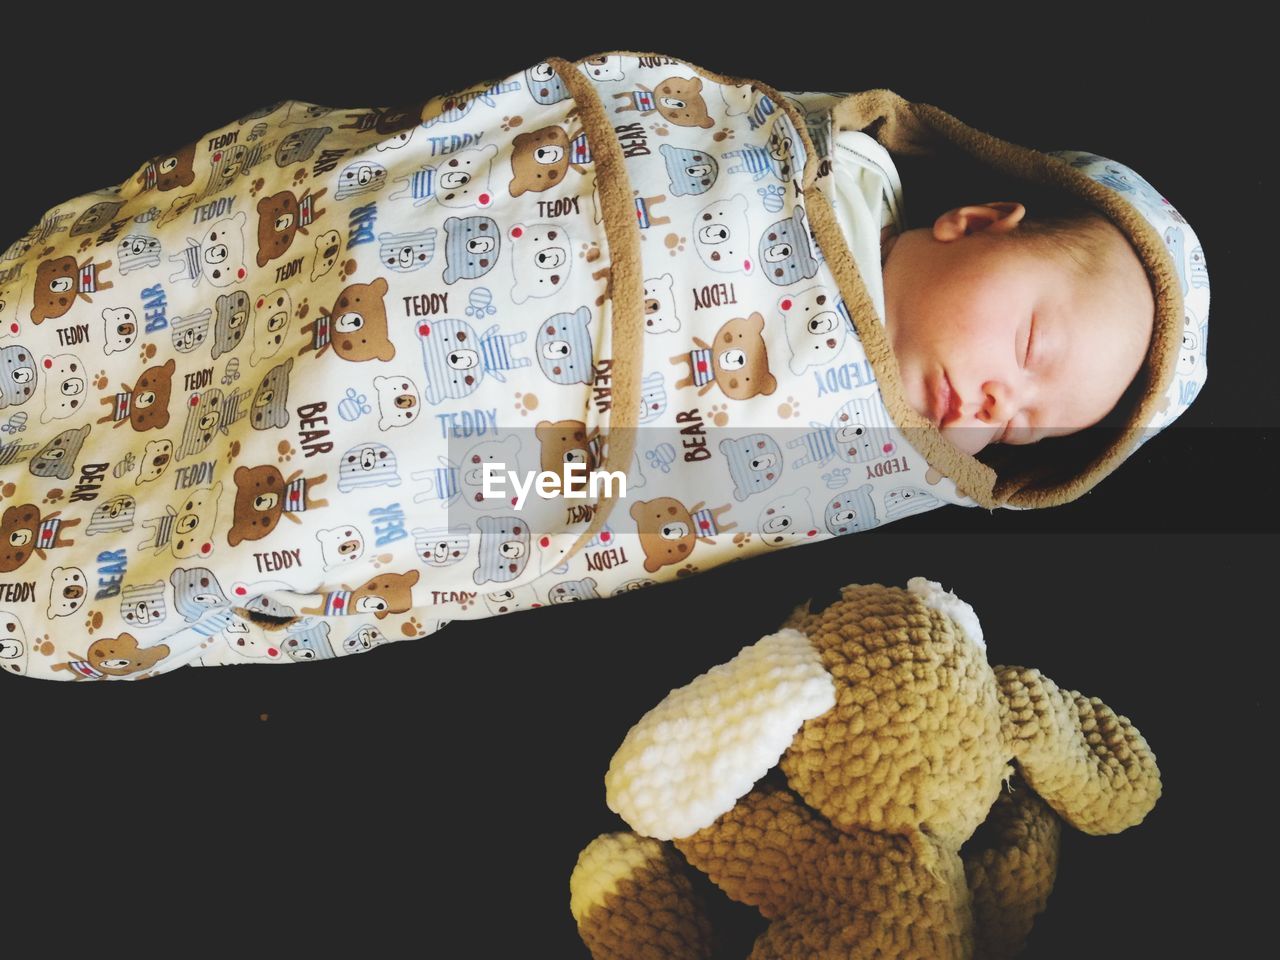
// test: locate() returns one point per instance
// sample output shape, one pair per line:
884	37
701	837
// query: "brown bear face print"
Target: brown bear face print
738	355
121	656
149	407
18	535
171	171
680	102
666	531
539	160
565	441
384	594
358	323
55	289
277	223
394	119
259	503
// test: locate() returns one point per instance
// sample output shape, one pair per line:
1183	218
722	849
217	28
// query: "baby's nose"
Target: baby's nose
995	405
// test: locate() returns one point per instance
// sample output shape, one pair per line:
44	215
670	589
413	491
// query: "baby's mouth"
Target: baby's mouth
943	403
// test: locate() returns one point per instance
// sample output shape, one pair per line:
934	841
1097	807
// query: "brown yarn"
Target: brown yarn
920	815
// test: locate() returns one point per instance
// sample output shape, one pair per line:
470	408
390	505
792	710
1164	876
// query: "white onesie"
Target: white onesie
867	197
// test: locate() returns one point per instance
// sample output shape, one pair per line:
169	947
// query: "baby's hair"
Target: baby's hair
1083	235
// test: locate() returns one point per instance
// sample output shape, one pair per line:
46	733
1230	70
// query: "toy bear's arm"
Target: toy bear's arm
762	850
1010	864
1091	765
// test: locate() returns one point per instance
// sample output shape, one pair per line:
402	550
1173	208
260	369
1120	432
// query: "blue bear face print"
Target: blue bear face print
195	592
504	549
564	347
785	253
17	376
368	465
308	640
755	463
406	252
691	172
58	457
471	247
851	511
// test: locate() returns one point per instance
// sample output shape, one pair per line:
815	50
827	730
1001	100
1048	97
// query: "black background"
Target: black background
439	791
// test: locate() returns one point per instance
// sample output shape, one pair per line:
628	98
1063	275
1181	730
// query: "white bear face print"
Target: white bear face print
64	386
399	402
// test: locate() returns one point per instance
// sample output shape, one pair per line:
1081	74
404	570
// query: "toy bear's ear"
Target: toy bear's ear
1091	765
692	756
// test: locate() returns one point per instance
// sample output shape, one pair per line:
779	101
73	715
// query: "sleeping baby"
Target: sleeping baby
328	378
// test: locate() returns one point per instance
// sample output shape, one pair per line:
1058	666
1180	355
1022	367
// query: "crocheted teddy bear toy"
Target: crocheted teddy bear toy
866	780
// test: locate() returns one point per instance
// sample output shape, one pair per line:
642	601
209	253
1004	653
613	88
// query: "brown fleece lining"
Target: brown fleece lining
1044	474
625	285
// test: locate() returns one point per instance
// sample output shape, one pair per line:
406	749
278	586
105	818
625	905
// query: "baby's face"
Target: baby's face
998	342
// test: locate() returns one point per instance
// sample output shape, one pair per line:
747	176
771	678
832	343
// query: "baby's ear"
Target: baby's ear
1000	216
1088	763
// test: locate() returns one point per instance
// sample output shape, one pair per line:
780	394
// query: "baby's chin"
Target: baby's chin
969	439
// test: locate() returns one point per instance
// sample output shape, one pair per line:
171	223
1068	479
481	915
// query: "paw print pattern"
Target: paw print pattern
719	414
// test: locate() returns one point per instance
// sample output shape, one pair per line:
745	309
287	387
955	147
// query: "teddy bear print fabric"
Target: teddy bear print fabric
247	395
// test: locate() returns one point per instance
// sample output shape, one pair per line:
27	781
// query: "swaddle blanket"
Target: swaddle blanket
251	397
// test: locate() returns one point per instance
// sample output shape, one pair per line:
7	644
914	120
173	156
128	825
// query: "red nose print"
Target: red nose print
746	265
544	541
605	537
485	199
240	273
259	303
13	327
786	304
888	448
193	400
48	363
272	652
812	533
517	232
217	156
424	329
207	547
241	591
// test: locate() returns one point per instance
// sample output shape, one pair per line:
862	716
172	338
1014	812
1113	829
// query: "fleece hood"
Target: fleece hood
1057	470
